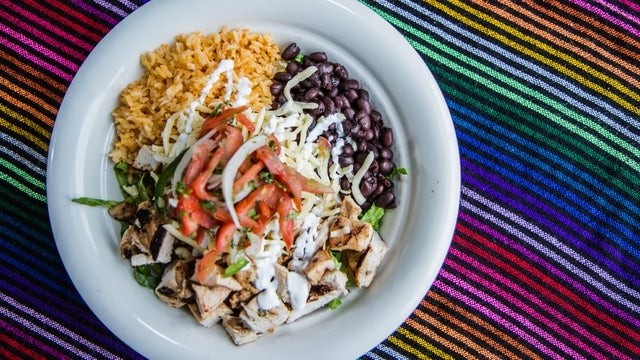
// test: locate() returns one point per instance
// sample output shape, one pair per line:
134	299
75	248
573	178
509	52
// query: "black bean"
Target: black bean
360	156
386	153
386	137
363	94
369	134
318	56
386	166
385	199
351	84
325	81
276	88
341	101
367	187
293	68
311	94
329	106
346	129
325	68
364	120
364	105
373	168
334	91
354	129
341	71
379	190
345	160
345	184
290	52
347	149
348	113
282	76
351	95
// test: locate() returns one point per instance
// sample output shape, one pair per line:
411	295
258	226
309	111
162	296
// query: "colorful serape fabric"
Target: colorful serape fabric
545	99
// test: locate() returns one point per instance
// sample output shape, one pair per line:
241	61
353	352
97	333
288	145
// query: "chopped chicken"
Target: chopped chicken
124	211
146	241
367	263
146	160
350	209
331	286
209	307
174	289
348	234
321	262
263	321
217	278
238	332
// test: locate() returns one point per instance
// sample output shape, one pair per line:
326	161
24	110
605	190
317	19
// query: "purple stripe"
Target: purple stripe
28	339
41	37
52	28
35	60
549	268
631	4
96	12
543	214
111	7
39	48
515	288
607	17
497	318
619	11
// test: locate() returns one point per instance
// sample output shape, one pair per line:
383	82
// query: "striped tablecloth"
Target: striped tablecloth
545	260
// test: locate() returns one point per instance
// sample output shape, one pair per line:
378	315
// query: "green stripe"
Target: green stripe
518	98
22	174
499	110
21	187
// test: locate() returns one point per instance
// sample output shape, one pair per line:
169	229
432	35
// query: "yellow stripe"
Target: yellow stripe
560	68
443	342
406	347
22	132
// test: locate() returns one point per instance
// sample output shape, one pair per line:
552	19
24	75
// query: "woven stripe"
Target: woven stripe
545	260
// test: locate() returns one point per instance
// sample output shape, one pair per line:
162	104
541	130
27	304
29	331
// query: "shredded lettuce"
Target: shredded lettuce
148	275
373	216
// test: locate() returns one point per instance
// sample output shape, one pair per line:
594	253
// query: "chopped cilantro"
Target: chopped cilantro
397	172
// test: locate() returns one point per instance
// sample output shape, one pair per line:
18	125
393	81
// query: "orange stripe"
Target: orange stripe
19	104
458	311
430	334
31	84
8	59
19	90
465	339
438	313
588	32
562	46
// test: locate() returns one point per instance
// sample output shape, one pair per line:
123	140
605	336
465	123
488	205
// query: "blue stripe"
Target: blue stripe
569	180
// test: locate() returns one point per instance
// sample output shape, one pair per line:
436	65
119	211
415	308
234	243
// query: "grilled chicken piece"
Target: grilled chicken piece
348	234
146	241
321	262
263	321
124	211
209	307
174	287
238	332
245	278
145	160
350	209
331	286
364	265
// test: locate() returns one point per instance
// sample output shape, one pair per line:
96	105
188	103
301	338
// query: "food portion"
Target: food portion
254	179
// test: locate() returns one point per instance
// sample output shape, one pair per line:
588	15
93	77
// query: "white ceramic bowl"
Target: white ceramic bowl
419	231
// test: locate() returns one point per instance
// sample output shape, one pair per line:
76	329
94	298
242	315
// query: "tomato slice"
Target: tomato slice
200	182
206	266
285	220
220	119
224	236
244	120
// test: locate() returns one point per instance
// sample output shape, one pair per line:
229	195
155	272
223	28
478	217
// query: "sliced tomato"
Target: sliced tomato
206	266
286	220
230	141
220	119
200	182
224	236
198	160
250	174
268	193
244	120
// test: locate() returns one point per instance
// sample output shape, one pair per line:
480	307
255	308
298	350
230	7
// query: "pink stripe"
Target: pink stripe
619	11
38	48
37	345
515	288
34	59
632	4
579	288
523	335
608	17
32	18
42	37
514	303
